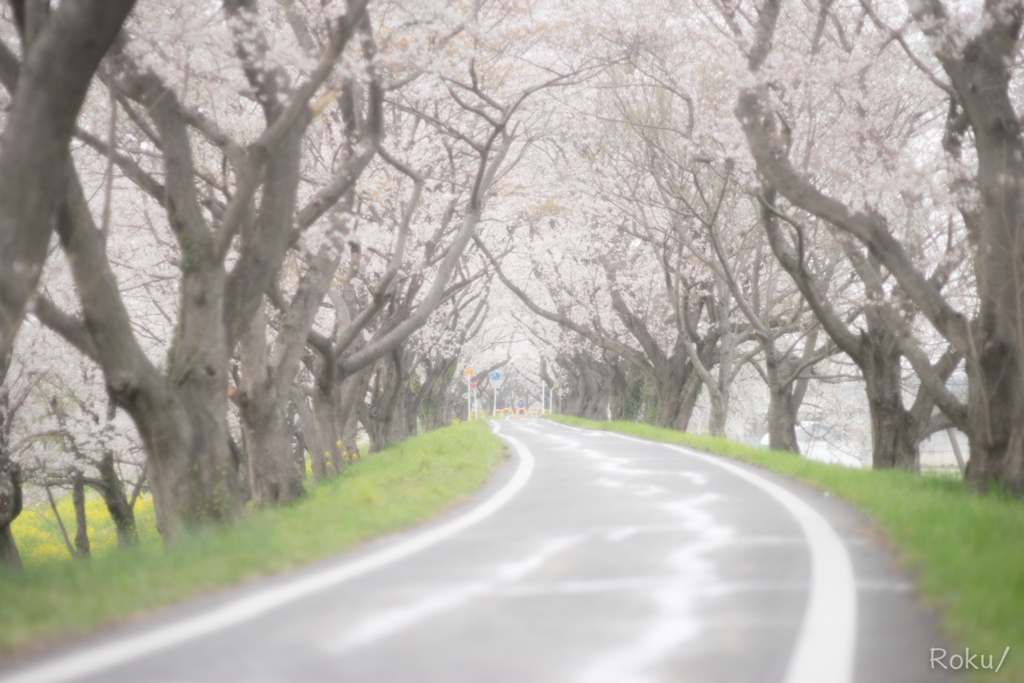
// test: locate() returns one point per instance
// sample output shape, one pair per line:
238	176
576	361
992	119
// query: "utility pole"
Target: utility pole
496	384
559	392
469	393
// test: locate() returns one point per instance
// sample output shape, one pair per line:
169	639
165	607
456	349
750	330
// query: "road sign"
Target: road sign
469	371
474	385
495	378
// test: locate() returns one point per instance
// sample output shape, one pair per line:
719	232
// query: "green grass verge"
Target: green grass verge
407	483
967	550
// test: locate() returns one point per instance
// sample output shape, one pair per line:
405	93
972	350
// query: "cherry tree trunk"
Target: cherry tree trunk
240	461
619	393
274	478
670	403
894	432
589	403
10	559
782	408
325	459
350	435
385	417
10	508
593	399
719	413
181	417
782	414
82	549
440	395
995	367
315	443
10	477
678	389
273	473
412	402
193	478
397	422
996	406
691	392
298	441
192	475
333	422
118	506
719	392
894	442
432	392
350	394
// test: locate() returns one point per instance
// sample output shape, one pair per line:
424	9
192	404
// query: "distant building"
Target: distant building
937	451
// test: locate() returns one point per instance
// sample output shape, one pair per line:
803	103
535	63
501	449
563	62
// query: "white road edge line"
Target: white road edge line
824	647
81	664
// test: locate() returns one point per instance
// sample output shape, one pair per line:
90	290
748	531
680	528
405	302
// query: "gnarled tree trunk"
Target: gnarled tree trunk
274	477
110	487
786	388
384	418
10	508
82	550
10	476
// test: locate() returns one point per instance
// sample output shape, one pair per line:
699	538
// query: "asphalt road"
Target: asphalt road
591	558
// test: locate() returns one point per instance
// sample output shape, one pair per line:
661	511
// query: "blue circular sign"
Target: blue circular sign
496	376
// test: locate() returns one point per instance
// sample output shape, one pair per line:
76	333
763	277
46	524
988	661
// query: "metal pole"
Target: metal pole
956	451
469	397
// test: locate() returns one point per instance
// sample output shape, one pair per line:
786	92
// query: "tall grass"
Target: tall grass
400	486
966	549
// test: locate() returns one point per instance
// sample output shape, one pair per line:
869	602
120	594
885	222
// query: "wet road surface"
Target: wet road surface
591	557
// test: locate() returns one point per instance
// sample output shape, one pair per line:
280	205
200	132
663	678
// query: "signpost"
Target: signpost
469	393
495	382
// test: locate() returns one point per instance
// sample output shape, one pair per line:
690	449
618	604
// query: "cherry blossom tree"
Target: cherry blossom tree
964	63
466	122
60	51
181	414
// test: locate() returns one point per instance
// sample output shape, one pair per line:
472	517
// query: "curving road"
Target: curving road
592	558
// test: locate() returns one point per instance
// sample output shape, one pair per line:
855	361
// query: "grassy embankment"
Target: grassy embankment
966	550
407	483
